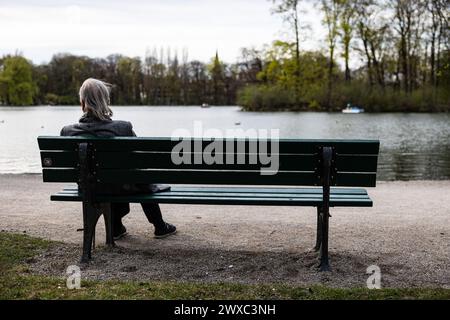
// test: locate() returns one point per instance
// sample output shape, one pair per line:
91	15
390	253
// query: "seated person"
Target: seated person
96	121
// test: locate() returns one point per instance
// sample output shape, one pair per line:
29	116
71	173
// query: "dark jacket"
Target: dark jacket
110	128
94	127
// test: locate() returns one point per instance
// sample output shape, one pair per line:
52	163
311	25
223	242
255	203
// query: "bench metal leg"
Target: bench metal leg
90	218
324	261
328	162
106	210
319	230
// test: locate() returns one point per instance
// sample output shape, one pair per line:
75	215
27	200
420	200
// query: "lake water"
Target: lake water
413	146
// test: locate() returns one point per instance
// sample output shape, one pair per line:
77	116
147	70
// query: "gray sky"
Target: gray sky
39	29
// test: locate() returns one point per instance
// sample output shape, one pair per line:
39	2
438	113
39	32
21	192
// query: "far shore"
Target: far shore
248	111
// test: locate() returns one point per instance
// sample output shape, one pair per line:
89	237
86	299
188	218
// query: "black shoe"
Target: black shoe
165	231
120	233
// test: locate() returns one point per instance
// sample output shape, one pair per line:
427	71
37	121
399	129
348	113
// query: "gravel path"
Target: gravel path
406	234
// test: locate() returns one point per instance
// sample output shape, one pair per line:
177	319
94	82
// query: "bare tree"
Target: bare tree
375	34
407	16
346	24
438	11
332	11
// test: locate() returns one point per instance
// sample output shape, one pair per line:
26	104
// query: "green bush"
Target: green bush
372	99
17	87
262	98
53	99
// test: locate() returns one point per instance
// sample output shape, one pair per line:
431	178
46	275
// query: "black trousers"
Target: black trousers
151	210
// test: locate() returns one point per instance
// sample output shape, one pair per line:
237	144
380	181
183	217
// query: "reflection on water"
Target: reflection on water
413	146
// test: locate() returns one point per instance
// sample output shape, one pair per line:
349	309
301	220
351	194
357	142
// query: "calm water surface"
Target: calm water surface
413	146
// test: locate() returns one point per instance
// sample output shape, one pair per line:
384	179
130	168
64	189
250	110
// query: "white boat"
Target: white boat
351	109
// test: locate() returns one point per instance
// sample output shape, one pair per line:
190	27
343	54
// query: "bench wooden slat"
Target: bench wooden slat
355	179
143	160
113	160
211	177
164	144
60	175
59	159
287	162
356	163
184	177
229	177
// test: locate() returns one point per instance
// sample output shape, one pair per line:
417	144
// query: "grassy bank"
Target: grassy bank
17	282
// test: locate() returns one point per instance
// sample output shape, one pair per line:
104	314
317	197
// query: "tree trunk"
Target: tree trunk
330	78
404	64
297	55
369	62
377	67
347	67
433	60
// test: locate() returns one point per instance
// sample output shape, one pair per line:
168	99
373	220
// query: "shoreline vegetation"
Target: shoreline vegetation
379	55
18	281
392	110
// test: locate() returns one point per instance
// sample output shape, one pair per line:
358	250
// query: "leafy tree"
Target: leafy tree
289	9
130	79
374	34
217	70
16	82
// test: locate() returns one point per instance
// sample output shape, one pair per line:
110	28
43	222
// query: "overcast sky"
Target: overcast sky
38	29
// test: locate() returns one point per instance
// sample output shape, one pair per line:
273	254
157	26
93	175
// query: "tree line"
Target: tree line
402	47
161	78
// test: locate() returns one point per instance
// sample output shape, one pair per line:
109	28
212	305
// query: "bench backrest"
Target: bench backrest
149	160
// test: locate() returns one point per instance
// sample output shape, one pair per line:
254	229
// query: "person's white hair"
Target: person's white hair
94	96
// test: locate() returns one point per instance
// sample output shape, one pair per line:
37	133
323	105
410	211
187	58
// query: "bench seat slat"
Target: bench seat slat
280	190
226	195
276	201
249	194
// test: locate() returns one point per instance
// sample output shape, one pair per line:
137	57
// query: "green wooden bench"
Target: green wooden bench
315	173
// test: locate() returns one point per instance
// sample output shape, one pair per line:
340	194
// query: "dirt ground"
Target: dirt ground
406	234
